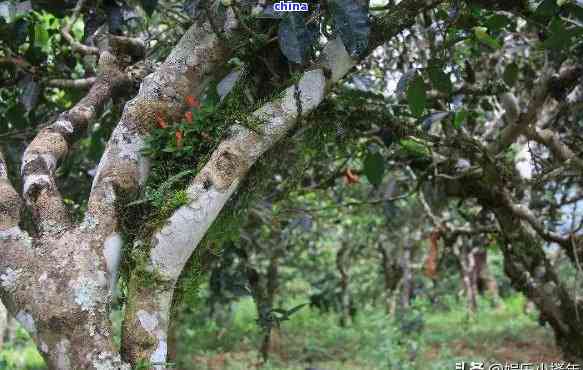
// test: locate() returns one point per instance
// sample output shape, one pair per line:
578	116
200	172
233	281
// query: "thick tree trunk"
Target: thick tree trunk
58	285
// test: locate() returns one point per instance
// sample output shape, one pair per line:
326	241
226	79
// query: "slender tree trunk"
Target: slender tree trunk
387	278
473	282
345	303
486	282
12	327
395	298
173	339
391	275
407	290
271	290
468	273
4	324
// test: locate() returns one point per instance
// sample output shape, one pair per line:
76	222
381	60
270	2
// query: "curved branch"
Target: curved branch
52	143
547	85
229	163
15	251
81	83
453	231
530	271
524	213
17	62
123	168
10	202
517	124
130	46
66	32
553	142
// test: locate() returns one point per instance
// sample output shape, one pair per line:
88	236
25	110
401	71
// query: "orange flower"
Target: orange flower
179	138
192	102
188	116
160	120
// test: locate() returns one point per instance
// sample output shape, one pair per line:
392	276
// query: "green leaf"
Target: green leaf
78	29
167	185
432	118
41	38
575	11
485	105
404	81
414	148
483	36
439	79
497	22
30	92
295	40
352	24
374	168
20	31
149	6
510	75
560	37
295	309
14	114
459	118
546	9
417	95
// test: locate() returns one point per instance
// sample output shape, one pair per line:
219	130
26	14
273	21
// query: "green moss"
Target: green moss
142	275
295	78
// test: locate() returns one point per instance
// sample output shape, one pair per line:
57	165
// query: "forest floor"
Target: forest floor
502	334
425	339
